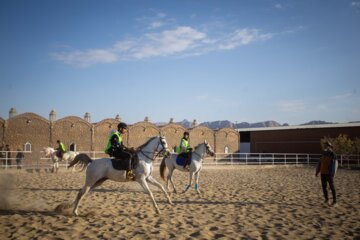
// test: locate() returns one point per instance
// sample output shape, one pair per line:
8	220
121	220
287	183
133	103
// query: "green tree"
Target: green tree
341	144
357	145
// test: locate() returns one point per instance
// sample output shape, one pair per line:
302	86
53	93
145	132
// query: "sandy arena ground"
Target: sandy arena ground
237	202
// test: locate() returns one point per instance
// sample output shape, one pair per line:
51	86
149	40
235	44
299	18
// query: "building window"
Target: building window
73	147
27	147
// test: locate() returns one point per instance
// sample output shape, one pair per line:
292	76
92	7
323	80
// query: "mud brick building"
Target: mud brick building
31	132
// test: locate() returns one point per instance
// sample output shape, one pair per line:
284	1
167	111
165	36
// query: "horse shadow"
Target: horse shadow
104	190
10	212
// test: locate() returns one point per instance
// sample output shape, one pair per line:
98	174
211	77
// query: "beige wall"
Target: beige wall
140	132
102	131
72	130
173	133
27	127
201	133
227	137
2	123
40	133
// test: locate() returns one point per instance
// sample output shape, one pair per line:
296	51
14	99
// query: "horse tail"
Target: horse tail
162	168
82	159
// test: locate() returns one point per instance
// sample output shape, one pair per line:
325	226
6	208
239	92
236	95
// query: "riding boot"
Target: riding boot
186	163
129	173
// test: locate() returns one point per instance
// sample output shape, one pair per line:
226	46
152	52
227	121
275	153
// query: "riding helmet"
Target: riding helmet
122	125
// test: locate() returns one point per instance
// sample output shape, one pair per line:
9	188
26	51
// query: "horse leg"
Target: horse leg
197	182
79	197
98	183
144	184
55	167
157	184
191	174
170	174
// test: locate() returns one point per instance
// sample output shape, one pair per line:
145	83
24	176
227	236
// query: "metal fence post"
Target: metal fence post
6	160
308	160
260	159
341	160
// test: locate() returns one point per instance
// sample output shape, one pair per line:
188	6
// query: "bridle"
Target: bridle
206	152
164	149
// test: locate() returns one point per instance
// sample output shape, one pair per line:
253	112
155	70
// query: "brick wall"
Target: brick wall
40	133
173	133
2	123
227	137
27	127
140	132
72	130
201	133
102	131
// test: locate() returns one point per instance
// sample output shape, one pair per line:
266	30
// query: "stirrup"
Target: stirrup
130	175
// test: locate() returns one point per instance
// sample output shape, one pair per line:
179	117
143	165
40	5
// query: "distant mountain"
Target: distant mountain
228	124
218	124
258	124
185	123
316	122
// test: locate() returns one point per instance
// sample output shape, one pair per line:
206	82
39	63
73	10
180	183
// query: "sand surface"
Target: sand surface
236	202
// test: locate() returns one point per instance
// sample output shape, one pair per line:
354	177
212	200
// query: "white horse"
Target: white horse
195	166
102	169
51	153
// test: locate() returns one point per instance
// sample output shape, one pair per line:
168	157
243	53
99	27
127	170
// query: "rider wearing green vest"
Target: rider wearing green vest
116	148
61	149
183	149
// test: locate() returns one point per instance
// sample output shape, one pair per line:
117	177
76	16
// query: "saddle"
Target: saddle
59	154
180	160
122	165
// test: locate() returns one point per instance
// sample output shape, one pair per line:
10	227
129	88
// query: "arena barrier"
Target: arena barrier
347	161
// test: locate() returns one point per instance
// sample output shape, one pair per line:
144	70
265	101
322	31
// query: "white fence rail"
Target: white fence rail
10	159
218	159
281	158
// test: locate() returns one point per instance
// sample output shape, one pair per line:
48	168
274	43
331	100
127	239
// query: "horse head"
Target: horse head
49	151
204	148
209	150
155	144
163	146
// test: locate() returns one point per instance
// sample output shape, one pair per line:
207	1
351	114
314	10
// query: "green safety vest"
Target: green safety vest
108	146
62	147
186	143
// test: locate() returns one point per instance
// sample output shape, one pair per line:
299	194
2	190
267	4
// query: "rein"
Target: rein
203	155
152	159
200	156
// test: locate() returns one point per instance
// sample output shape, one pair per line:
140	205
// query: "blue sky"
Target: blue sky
254	60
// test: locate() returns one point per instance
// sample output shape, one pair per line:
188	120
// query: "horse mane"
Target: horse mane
47	150
146	143
197	146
